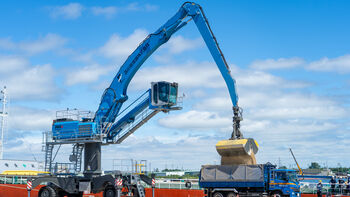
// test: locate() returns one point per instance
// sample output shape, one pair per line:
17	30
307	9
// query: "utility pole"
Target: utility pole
279	162
3	115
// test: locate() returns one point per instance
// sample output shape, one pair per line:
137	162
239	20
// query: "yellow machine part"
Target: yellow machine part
23	172
238	151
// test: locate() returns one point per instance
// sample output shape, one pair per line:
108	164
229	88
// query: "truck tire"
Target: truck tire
277	194
218	194
47	191
231	194
109	192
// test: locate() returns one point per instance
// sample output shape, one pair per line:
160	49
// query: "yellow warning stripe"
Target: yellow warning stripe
282	184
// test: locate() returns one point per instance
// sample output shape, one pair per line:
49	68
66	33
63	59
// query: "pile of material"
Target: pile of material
238	151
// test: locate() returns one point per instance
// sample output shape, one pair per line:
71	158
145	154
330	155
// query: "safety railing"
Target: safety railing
140	99
13	179
311	188
74	114
141	117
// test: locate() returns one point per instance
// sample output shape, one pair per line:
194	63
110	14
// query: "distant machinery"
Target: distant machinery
296	162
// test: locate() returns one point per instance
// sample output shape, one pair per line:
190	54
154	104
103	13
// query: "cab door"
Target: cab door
280	182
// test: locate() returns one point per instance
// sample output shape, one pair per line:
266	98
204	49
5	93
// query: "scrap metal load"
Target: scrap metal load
239	151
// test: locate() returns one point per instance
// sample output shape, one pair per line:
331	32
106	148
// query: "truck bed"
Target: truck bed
236	176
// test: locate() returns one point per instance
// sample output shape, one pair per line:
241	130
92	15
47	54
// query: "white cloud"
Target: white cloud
27	82
215	104
108	12
196	120
276	105
36	82
46	43
137	7
7	44
188	75
149	7
120	47
29	119
87	74
111	11
69	11
9	64
320	112
178	44
207	75
258	79
281	63
339	64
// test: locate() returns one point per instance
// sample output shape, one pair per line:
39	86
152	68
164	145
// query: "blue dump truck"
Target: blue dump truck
248	180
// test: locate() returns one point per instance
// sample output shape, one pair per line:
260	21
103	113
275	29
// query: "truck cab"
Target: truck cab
284	182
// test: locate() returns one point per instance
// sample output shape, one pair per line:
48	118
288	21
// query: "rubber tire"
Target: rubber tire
188	185
231	194
277	194
218	194
47	191
109	192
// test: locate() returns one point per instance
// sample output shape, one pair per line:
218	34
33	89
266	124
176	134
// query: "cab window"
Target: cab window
281	176
292	176
163	92
155	93
173	95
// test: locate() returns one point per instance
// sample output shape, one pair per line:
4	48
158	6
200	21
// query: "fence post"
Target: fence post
153	184
29	186
118	183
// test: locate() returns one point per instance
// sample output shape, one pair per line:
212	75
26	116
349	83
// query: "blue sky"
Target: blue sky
290	59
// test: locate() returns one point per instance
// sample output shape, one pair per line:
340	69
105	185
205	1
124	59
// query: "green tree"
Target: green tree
314	165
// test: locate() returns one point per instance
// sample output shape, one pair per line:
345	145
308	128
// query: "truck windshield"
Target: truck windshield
292	177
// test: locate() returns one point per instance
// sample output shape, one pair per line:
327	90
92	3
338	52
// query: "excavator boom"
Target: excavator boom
116	94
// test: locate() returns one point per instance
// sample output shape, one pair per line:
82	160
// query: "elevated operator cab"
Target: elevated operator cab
164	94
75	124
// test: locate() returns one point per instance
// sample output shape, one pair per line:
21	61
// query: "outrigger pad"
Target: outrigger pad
240	151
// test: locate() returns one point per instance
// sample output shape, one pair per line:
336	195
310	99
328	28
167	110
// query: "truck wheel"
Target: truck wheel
47	191
277	194
109	192
218	194
231	194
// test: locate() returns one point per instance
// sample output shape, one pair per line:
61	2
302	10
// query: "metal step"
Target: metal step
77	156
140	189
48	157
